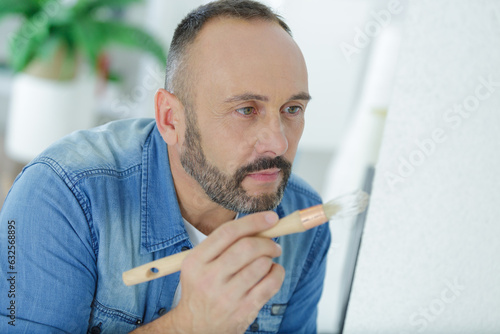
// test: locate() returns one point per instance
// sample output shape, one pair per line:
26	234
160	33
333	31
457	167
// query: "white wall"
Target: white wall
319	27
352	168
428	261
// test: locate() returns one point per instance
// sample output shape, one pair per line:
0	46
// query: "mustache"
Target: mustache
263	164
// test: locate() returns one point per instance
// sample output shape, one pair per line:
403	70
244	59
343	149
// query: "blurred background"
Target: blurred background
351	49
337	57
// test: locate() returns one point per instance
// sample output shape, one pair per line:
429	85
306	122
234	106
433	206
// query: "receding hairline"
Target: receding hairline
188	30
188	48
184	74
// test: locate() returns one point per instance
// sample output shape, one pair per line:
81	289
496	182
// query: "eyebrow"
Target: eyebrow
249	96
301	96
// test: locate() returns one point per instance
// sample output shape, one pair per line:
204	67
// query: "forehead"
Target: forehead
232	55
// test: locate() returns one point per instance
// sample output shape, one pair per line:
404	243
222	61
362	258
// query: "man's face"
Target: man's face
246	114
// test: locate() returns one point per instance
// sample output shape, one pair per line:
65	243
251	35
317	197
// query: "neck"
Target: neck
196	207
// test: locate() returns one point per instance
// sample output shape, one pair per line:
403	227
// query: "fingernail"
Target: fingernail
271	218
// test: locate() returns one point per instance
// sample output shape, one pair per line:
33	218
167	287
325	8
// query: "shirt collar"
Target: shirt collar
161	219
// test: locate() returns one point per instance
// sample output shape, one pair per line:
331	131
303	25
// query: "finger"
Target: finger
267	287
237	257
243	252
242	282
228	233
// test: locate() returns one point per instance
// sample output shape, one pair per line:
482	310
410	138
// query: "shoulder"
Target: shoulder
298	195
115	146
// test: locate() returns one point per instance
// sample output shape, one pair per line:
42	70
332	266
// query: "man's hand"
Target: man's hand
226	279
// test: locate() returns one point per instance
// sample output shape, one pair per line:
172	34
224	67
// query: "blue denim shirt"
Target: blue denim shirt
100	202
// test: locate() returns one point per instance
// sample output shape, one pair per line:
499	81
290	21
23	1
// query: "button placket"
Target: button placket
96	329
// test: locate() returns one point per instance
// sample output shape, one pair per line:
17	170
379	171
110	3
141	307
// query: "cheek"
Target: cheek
227	147
293	134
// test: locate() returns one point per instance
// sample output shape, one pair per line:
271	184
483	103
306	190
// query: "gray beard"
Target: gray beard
226	190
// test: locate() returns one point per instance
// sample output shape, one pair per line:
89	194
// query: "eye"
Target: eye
293	110
246	111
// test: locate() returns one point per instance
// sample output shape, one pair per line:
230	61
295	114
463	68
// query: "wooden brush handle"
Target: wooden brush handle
171	264
286	225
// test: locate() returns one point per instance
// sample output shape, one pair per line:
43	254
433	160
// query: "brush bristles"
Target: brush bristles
348	205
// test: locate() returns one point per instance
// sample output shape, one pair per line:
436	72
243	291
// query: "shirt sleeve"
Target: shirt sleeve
301	313
46	254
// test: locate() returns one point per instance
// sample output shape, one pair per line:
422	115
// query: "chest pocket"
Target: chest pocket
107	320
269	319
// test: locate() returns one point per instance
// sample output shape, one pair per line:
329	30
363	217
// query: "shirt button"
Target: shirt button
162	311
184	248
138	322
95	330
254	327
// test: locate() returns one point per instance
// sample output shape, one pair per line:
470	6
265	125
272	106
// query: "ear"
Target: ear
167	112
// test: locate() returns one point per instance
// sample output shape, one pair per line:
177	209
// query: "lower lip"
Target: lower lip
265	177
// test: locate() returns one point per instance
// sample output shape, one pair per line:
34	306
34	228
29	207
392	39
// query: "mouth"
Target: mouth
266	175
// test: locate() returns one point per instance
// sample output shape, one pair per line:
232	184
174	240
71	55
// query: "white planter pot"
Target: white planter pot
43	110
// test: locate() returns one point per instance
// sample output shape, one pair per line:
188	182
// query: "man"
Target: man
214	166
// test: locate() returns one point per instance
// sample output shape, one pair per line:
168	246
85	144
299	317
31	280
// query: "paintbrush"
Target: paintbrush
299	221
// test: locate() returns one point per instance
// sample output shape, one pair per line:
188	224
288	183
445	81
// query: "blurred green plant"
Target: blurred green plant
81	27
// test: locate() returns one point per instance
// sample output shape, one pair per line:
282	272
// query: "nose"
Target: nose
271	138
